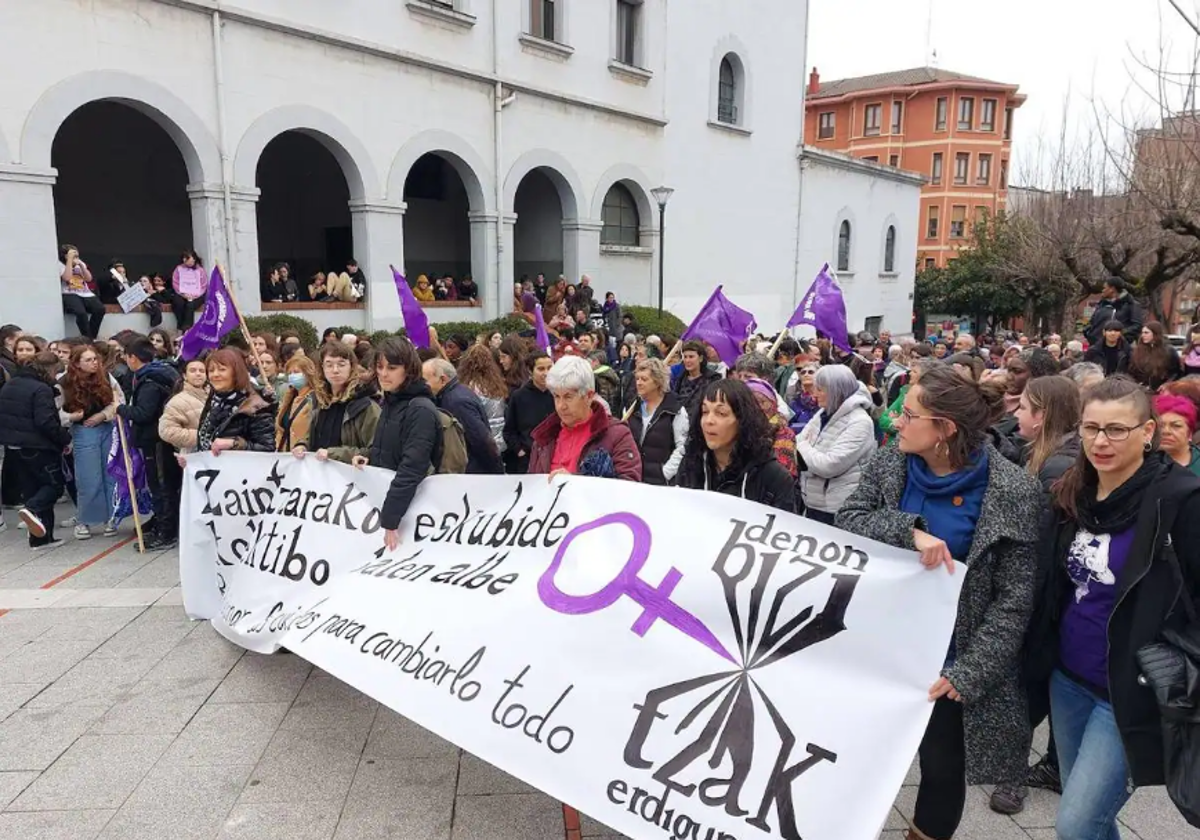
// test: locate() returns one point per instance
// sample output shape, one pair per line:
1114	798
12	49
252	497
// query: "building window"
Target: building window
930	262
825	125
966	113
962	167
620	218
931	229
873	324
897	117
1003	174
987	117
894	160
984	174
872	119
843	254
1008	119
727	93
958	221
981	214
935	175
872	158
889	250
939	123
543	20
629	21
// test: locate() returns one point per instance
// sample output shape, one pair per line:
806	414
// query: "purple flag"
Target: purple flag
722	324
217	321
543	338
824	309
122	506
416	323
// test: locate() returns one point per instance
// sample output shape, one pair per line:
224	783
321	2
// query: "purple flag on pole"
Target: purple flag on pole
722	324
824	309
543	338
416	323
218	320
122	506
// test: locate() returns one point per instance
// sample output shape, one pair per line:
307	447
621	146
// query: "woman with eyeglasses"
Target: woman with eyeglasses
804	405
946	493
1126	548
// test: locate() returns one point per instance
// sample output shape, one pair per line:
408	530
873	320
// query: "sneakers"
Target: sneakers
110	529
1045	776
156	541
32	523
44	546
70	522
1008	799
83	532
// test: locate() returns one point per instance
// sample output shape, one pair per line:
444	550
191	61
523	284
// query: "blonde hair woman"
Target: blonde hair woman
296	407
659	423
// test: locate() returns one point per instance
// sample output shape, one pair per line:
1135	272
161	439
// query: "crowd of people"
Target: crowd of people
1062	479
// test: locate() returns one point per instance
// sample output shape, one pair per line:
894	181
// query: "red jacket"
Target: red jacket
607	433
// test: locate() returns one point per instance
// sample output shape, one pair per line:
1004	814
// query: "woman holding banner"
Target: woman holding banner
235	417
729	448
344	421
949	494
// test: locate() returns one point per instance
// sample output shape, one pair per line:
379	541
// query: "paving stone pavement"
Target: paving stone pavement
120	719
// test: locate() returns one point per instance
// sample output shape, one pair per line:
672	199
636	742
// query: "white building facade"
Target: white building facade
862	219
497	138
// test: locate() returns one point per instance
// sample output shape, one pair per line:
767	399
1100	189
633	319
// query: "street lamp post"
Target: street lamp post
661	195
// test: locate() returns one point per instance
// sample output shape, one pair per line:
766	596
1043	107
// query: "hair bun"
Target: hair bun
993	391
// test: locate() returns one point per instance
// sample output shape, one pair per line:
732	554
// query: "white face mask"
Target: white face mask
297	380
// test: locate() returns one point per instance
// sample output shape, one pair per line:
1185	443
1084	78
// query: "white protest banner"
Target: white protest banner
679	665
132	298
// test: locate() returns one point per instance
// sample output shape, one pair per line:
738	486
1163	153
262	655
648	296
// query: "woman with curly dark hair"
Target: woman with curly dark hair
90	401
1154	362
729	448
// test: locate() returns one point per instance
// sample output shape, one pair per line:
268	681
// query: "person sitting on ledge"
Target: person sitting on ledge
467	290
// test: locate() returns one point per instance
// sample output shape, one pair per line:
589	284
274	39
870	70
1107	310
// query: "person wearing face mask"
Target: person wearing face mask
729	448
345	417
946	493
296	406
181	416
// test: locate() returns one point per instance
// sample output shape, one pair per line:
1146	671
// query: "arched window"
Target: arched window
727	93
889	250
621	222
843	254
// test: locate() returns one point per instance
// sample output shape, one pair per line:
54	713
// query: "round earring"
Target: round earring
1148	446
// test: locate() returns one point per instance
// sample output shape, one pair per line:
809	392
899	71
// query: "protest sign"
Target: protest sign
676	664
132	298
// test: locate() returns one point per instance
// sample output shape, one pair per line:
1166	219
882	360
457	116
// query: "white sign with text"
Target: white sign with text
675	664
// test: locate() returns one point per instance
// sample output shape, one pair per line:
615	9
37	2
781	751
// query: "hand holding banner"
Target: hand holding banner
619	646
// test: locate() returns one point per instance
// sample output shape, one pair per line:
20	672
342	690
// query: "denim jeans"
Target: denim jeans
1095	774
93	485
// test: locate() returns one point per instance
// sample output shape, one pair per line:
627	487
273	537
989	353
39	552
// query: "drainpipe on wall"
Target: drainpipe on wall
800	165
222	139
499	102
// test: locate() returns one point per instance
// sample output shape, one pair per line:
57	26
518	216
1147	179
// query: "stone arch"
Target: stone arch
731	47
558	170
176	117
455	151
636	182
328	130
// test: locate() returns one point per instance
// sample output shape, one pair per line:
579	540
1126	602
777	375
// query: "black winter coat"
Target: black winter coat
153	385
1149	598
408	440
766	482
252	424
659	442
482	455
1111	359
527	408
28	415
1123	308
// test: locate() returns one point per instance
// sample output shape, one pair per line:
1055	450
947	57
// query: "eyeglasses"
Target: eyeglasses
908	416
1115	432
809	372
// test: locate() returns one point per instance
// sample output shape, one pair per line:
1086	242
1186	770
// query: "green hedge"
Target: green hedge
649	323
279	323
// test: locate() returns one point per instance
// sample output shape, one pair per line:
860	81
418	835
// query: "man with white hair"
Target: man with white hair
965	343
580	437
464	405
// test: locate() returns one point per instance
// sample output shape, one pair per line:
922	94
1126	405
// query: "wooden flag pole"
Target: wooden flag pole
674	350
137	517
237	311
775	347
629	411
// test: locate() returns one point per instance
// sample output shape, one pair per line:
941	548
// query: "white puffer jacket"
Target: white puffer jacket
835	455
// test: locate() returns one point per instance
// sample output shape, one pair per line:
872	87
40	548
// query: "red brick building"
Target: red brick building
953	128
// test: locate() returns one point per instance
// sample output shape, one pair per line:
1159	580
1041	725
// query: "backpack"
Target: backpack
450	449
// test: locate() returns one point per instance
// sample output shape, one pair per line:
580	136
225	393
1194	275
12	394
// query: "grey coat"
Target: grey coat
993	609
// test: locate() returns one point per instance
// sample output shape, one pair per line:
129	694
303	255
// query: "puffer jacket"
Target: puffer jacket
832	458
251	426
606	433
28	415
993	608
408	440
181	418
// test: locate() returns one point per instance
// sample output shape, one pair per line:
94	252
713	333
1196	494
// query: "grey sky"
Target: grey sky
1051	48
